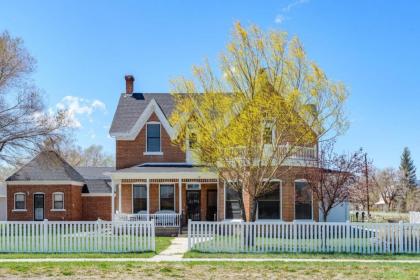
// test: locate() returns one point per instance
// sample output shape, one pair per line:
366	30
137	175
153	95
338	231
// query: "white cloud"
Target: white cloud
77	107
293	5
280	18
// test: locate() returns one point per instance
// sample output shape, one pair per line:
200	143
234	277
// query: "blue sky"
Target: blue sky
84	49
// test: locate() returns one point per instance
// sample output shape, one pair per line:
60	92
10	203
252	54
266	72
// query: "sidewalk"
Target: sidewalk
175	251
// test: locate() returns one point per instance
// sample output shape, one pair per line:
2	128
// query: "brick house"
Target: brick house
49	188
152	177
155	176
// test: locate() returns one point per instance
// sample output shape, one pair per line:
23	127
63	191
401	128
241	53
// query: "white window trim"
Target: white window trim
294	202
53	200
132	196
224	205
173	184
281	203
159	153
14	204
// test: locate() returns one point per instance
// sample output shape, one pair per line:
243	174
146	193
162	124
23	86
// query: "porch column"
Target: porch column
112	200
119	197
180	195
148	195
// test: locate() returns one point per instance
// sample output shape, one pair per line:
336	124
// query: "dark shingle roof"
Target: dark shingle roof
130	107
97	186
92	173
47	166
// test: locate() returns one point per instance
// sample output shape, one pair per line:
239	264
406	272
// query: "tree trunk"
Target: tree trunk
250	242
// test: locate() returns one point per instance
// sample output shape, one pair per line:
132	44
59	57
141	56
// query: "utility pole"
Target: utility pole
367	185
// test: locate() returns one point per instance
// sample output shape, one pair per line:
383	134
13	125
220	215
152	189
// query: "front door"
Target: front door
211	205
193	205
38	207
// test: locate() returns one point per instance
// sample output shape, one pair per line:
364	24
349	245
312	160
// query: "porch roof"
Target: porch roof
164	171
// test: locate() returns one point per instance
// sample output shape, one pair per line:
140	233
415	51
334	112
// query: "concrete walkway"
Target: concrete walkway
175	251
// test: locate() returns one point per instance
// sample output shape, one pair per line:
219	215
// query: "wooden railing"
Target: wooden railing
262	237
159	219
70	237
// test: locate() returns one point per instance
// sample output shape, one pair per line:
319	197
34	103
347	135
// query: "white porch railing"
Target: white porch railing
79	237
263	237
160	219
415	217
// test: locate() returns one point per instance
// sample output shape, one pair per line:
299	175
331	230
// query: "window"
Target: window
303	201
20	201
233	208
269	205
268	134
167	197
139	198
192	140
193	187
153	137
58	201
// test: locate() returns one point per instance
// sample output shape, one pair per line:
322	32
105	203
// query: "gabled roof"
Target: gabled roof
47	166
131	107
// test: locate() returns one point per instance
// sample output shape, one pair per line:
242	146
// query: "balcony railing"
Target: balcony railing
160	219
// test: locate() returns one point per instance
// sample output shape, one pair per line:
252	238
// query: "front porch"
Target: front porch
169	194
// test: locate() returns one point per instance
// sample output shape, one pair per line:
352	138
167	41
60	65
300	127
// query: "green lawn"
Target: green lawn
218	270
194	254
161	244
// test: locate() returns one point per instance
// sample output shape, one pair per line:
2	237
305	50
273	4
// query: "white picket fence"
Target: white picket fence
160	219
415	217
70	237
265	237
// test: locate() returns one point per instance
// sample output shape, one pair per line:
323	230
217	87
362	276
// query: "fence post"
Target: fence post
45	235
401	236
189	234
153	235
294	237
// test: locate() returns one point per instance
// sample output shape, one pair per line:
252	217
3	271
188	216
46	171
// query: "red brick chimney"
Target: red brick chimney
129	84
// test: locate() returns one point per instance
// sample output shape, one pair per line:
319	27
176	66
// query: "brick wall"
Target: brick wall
130	153
72	202
288	177
96	207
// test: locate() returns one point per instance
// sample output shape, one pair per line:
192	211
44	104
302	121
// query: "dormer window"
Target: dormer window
153	143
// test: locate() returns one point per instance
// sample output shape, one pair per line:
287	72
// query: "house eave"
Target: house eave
43	183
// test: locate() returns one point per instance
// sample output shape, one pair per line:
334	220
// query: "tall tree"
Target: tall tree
408	180
93	156
24	123
268	104
407	168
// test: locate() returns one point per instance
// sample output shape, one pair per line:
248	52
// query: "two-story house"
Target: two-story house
153	178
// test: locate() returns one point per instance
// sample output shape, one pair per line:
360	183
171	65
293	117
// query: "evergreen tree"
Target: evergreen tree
408	169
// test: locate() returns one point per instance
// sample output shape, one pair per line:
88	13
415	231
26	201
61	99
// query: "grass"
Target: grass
385	217
218	270
161	244
198	255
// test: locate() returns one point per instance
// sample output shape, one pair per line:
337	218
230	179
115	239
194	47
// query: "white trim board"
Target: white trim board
96	194
40	182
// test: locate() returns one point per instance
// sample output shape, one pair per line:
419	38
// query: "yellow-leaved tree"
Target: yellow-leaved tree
249	119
